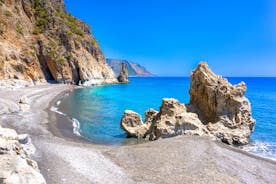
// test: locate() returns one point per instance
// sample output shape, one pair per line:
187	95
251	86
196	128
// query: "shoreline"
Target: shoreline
62	126
71	159
61	123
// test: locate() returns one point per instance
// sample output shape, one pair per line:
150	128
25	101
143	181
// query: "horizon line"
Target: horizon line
189	76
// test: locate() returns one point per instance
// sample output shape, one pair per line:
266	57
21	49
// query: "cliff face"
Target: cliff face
40	41
133	69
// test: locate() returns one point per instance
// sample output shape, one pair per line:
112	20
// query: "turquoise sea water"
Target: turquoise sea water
99	109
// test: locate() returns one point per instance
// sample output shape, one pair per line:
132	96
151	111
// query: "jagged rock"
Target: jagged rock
16	165
123	76
175	119
217	109
40	41
133	125
172	119
222	106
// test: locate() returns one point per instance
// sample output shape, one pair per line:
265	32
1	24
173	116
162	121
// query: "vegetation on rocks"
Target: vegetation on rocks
60	61
73	24
50	44
41	17
1	28
7	13
19	28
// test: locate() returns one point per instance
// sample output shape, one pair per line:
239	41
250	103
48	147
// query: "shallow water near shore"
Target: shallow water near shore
97	110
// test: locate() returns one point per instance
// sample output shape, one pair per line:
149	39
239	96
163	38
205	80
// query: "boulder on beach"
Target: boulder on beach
217	109
24	104
123	76
16	165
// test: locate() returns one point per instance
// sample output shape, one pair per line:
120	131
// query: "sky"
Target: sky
170	37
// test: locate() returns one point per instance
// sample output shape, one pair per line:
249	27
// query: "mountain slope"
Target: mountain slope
133	69
40	41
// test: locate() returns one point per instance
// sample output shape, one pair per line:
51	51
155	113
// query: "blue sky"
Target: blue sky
169	37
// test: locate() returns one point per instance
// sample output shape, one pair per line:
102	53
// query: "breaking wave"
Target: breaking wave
55	109
75	122
58	103
263	149
76	127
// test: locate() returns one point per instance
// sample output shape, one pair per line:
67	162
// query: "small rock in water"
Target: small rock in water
123	76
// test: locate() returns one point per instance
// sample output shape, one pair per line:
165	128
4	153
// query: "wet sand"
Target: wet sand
66	158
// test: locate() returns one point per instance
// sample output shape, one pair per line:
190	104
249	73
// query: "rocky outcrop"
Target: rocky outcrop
217	109
134	69
16	165
123	76
222	106
172	119
40	41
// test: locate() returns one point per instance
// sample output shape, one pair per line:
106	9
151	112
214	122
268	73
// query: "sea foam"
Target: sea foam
76	127
264	149
55	109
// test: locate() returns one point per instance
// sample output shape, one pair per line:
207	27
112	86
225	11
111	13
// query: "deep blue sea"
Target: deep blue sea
97	110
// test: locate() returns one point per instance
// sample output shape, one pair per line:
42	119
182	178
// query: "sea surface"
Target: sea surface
97	110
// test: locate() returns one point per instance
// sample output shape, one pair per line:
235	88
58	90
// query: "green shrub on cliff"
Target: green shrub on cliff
74	27
41	22
41	16
71	22
79	39
17	9
7	13
52	53
68	56
19	28
93	42
36	31
60	61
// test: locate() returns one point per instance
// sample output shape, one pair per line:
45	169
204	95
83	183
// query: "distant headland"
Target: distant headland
134	69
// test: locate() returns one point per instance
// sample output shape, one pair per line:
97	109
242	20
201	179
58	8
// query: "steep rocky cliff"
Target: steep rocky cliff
41	41
134	69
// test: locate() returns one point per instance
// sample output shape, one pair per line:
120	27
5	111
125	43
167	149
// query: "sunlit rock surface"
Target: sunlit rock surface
217	109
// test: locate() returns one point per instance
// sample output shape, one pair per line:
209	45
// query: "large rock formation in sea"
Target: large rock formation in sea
217	109
41	41
16	165
123	76
134	69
